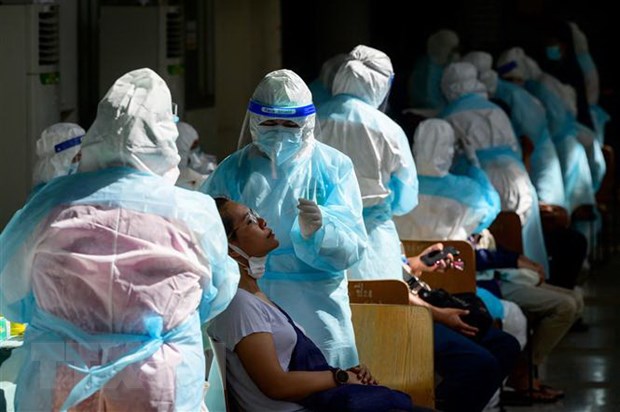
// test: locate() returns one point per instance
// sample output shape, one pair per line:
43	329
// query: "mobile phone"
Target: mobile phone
435	256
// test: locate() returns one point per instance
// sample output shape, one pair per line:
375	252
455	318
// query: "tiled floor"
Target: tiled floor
587	365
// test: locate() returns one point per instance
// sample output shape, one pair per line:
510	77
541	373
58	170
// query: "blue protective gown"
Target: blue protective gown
573	159
306	277
528	118
425	85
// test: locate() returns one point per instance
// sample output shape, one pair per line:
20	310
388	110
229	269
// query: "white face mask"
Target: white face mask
257	264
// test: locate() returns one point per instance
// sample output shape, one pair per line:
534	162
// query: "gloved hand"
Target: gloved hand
310	218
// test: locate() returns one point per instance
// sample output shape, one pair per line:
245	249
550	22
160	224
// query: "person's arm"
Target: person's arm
448	316
341	239
404	178
495	259
257	353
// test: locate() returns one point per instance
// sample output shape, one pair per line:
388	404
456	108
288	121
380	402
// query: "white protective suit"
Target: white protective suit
560	107
486	134
195	166
378	147
321	88
451	207
115	268
528	118
57	151
277	165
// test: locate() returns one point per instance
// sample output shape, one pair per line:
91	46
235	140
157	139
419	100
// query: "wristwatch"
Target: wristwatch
340	376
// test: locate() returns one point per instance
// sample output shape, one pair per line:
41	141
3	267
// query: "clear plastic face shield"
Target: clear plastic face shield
175	111
385	104
280	133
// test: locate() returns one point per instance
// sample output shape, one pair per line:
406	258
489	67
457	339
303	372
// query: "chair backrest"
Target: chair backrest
452	280
216	396
386	291
396	342
506	229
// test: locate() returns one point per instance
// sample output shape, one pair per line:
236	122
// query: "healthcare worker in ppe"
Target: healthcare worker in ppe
453	207
590	73
563	63
529	120
321	88
115	268
378	147
195	166
58	152
486	135
309	193
425	80
515	66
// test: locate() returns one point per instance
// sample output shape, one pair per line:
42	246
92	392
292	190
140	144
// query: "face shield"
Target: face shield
281	118
385	104
58	151
279	132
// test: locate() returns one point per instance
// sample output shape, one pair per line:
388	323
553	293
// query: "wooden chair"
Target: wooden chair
506	229
452	280
396	342
386	291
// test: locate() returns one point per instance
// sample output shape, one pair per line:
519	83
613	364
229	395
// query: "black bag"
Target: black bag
478	316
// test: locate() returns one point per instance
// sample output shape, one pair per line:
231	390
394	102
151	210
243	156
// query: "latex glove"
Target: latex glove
310	218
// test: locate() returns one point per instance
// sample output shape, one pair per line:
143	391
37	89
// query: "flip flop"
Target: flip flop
542	396
551	390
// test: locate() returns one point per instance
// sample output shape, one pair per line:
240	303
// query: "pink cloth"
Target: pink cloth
106	271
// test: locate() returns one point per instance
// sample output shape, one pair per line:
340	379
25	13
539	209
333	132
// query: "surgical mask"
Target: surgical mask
256	268
280	143
554	53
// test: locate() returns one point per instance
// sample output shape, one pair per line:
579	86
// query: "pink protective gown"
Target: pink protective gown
108	271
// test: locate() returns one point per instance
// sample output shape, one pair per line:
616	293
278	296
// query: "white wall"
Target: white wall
247	36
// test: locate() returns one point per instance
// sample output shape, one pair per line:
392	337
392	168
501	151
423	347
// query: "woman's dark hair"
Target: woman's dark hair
221	203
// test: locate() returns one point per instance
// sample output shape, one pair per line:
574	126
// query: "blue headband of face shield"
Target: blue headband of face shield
281	112
506	68
67	144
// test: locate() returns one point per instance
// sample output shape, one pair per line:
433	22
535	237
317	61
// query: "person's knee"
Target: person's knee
566	308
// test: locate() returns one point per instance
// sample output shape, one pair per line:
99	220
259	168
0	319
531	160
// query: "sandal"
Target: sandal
543	396
551	390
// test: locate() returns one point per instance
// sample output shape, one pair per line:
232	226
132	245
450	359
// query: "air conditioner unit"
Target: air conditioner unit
132	37
29	94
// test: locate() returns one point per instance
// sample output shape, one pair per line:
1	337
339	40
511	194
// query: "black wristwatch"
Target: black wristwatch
340	376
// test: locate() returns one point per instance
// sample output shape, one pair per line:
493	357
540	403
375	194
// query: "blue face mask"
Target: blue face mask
278	142
554	53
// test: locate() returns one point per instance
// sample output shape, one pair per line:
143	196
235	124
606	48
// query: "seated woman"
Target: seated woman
271	364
